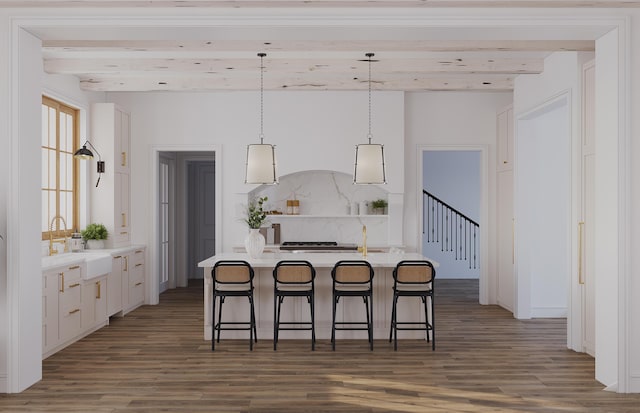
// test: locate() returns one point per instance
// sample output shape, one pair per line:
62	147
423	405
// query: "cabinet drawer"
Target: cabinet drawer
136	274
137	257
136	295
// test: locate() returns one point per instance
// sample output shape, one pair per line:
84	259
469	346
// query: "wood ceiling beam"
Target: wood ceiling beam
292	67
188	83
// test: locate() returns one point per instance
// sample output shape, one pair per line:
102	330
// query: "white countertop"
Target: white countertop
317	259
71	258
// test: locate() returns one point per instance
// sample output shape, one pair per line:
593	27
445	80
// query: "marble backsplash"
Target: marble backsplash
326	201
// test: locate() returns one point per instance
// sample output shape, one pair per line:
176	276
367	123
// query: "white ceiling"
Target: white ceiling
306	50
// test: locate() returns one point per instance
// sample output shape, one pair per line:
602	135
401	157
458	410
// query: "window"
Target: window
59	168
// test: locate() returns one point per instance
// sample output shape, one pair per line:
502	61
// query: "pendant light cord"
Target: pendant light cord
370	55
262	55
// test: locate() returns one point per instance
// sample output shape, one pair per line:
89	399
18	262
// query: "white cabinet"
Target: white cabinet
114	286
50	289
94	303
62	306
505	139
110	134
133	277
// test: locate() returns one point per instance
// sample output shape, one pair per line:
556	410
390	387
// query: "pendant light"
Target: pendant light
369	167
261	157
85	153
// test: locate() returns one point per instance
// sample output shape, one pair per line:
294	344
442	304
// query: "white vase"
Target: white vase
254	243
95	244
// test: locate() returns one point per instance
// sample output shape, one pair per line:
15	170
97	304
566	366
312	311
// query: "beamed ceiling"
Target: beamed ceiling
298	58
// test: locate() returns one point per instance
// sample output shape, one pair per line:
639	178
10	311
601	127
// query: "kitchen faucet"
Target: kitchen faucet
62	240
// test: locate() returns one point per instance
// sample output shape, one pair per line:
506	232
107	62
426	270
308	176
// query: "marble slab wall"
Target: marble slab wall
327	200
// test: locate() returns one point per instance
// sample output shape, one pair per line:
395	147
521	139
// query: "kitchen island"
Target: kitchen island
296	309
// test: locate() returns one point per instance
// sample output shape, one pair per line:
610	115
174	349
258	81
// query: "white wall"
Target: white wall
311	130
451	119
453	177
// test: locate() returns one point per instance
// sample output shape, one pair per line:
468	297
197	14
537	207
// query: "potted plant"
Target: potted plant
95	234
379	206
254	243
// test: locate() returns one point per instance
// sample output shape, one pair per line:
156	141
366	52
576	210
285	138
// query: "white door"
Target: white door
506	282
585	231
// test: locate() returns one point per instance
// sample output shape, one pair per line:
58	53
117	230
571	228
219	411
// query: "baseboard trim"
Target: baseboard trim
3	383
549	312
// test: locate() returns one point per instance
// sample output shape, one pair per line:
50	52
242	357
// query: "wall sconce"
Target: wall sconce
261	157
369	167
85	153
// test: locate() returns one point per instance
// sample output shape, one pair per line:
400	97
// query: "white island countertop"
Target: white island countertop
317	259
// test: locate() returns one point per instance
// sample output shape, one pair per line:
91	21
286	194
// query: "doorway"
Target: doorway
186	230
477	155
451	212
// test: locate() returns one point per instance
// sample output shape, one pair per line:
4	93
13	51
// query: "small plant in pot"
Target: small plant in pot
95	234
379	206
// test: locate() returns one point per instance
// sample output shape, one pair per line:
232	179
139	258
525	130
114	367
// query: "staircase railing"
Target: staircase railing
455	231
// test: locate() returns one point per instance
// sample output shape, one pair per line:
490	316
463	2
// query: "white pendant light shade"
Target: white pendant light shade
369	167
261	157
261	164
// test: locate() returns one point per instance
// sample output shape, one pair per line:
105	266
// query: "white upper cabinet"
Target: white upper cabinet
110	202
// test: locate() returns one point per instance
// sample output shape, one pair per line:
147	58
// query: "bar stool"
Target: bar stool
293	279
352	279
413	279
233	279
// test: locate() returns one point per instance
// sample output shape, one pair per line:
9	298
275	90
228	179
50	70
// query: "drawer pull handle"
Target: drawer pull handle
137	284
62	276
74	311
137	265
74	285
75	267
124	220
99	290
124	159
123	233
118	256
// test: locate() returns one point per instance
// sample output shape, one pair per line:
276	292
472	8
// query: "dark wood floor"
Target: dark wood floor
155	360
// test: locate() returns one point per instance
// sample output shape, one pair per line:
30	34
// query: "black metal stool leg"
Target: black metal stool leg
371	322
213	324
333	324
220	316
395	322
275	321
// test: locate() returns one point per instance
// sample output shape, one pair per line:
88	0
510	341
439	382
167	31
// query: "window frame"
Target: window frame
75	113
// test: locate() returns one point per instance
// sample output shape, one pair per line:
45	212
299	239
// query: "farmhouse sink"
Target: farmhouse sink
97	264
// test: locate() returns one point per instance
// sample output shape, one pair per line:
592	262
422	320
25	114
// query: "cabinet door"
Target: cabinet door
70	311
94	302
114	287
121	218
126	259
121	141
125	143
51	286
100	287
88	305
136	283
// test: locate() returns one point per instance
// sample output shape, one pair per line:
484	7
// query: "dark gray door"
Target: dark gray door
201	212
